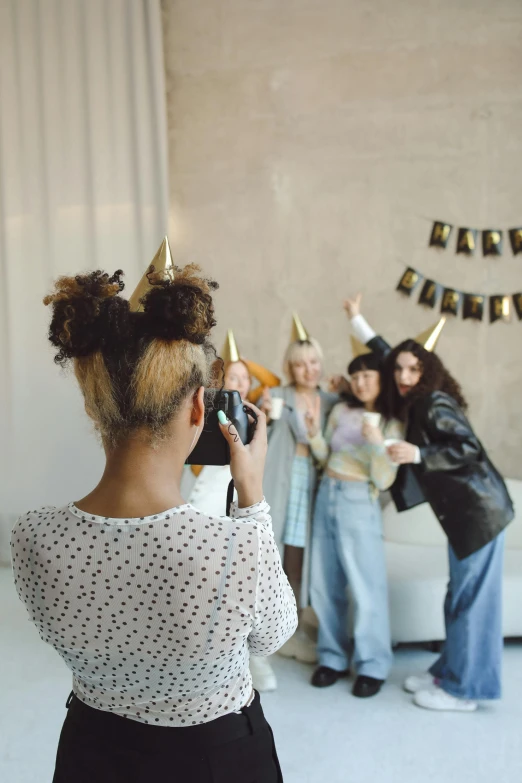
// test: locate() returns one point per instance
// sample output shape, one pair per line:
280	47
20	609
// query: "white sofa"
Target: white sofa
417	561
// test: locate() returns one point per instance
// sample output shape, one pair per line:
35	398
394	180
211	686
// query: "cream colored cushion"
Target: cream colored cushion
419	526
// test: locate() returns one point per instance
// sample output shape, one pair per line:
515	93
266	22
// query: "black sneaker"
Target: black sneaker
324	676
364	687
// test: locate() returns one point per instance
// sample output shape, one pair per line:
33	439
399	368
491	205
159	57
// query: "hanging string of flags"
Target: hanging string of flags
454	302
467	238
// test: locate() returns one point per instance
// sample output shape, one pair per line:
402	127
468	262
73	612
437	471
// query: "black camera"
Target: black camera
212	448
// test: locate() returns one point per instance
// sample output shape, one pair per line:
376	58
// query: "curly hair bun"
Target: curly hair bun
179	308
87	314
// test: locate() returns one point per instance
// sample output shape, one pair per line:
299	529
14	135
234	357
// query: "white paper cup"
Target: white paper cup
391	442
372	418
277	408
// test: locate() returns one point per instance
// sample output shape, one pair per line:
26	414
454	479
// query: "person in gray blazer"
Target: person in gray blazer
290	478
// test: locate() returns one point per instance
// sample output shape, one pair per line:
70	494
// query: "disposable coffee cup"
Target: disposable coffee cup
391	442
374	419
277	408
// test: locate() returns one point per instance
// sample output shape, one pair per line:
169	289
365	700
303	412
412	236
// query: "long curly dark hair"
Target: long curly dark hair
134	368
435	377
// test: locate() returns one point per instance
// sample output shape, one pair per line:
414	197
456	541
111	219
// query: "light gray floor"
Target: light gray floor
322	735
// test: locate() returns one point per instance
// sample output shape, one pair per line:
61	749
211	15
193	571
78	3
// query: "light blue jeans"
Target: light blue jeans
348	551
471	661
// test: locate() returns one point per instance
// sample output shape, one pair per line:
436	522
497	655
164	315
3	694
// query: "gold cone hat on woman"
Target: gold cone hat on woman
162	262
230	351
359	348
430	337
299	333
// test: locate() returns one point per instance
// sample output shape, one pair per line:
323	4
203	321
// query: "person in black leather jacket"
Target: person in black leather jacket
444	463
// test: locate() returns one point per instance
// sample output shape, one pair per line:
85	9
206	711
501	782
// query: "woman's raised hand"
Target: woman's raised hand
353	306
247	462
313	416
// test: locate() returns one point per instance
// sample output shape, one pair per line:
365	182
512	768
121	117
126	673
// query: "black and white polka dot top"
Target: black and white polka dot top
155	616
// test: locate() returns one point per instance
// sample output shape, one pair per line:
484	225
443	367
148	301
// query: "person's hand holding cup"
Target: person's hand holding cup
370	428
277	408
271	406
400	452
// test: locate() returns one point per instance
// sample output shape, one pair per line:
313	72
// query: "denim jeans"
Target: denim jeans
471	661
348	552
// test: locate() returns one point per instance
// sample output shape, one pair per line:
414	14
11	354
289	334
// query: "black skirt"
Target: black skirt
100	747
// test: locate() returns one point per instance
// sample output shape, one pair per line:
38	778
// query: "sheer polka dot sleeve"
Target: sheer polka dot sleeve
275	617
155	616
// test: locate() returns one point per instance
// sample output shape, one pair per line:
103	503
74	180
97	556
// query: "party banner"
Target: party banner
451	301
515	237
499	308
492	239
455	302
440	234
409	281
429	293
517	301
492	242
473	307
467	241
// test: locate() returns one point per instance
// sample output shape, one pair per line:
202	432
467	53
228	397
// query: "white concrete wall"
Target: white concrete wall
308	138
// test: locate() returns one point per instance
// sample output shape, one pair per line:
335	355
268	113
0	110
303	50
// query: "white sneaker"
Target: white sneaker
263	676
300	647
437	699
418	682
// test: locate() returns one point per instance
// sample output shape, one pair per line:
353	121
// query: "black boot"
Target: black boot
364	687
324	676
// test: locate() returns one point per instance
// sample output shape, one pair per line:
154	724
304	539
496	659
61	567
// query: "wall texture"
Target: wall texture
308	142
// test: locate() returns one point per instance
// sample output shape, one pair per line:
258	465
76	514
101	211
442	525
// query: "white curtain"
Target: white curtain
83	185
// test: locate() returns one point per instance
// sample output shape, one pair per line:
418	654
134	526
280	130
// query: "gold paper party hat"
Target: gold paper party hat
299	333
162	262
358	348
230	351
429	338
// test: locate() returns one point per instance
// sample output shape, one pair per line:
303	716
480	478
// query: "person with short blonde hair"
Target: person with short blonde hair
291	472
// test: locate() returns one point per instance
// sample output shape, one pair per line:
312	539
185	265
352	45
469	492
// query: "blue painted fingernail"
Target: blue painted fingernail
222	417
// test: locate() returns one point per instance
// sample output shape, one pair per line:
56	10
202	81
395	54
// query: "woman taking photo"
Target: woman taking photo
291	473
444	463
152	604
347	539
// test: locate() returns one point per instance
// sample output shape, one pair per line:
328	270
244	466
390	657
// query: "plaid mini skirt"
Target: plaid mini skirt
297	511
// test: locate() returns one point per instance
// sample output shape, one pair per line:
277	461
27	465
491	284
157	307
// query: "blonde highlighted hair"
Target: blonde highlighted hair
134	368
299	350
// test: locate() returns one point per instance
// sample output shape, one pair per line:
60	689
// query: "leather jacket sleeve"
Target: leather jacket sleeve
379	346
453	443
376	343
